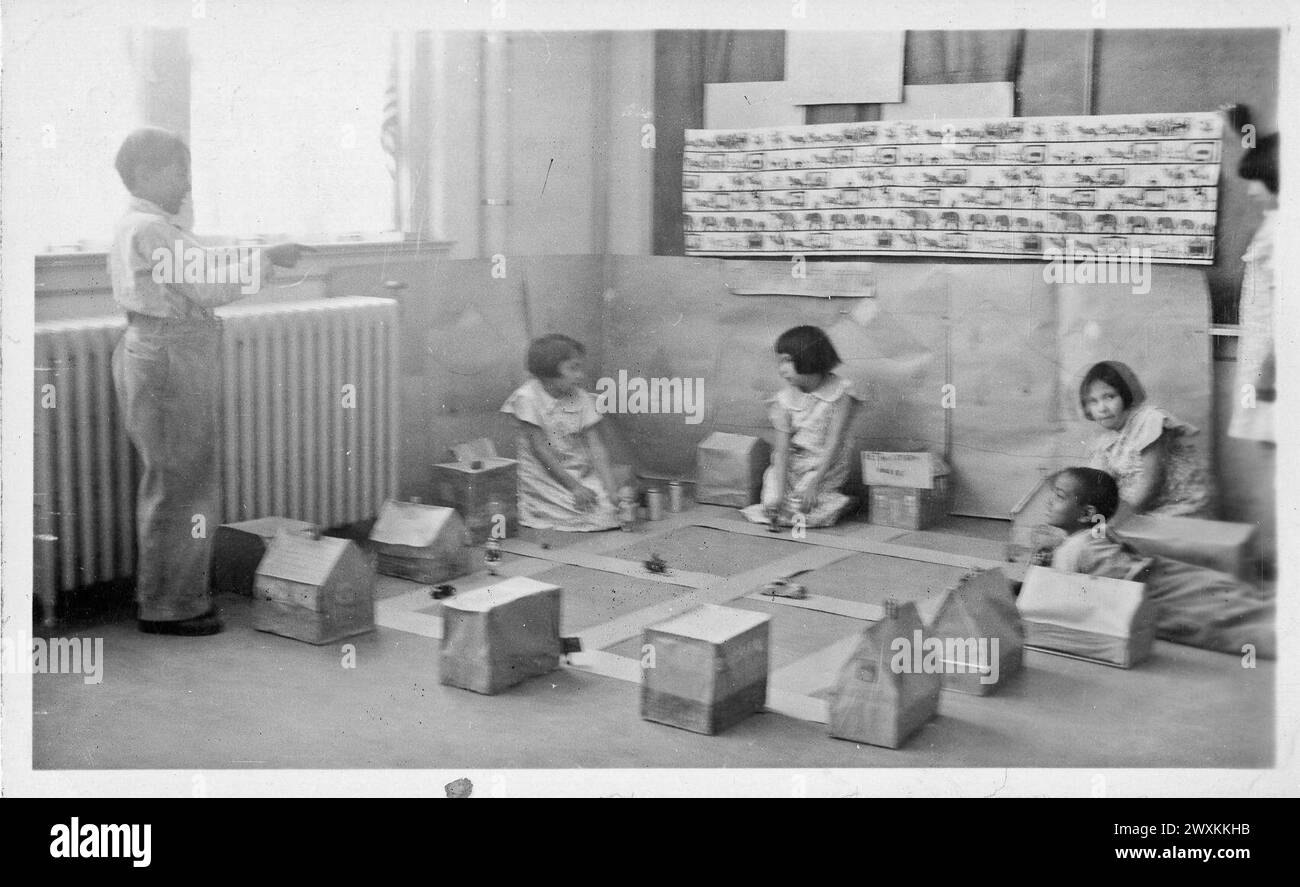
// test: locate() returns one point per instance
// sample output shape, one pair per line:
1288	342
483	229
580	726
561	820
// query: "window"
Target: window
285	114
82	107
286	110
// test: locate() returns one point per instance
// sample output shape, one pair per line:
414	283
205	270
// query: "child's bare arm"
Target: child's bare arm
541	448
780	455
1152	478
600	456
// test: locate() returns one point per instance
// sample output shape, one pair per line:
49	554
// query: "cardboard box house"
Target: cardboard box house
314	590
479	484
709	668
884	692
982	636
500	635
906	490
730	469
1088	617
238	548
422	543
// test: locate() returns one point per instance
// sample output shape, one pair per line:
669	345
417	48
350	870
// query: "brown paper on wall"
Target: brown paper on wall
1161	335
673	317
1004	368
464	336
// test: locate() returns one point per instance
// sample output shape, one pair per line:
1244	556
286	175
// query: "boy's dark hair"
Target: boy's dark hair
810	349
547	353
1095	488
1108	373
1260	162
151	146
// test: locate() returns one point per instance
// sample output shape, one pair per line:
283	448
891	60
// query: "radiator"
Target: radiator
307	430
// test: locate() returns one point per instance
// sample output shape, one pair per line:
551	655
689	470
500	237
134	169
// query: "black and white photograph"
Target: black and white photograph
507	399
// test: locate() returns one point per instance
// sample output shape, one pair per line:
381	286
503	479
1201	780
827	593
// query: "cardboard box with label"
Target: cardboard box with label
500	635
906	490
708	669
314	590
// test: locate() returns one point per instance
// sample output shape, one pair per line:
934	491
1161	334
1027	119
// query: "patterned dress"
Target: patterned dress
1186	488
806	417
544	503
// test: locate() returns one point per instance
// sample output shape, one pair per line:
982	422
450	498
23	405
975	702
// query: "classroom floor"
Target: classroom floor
244	699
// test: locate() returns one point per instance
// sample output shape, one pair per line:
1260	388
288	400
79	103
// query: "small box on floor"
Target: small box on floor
238	548
479	485
314	590
906	490
980	630
709	669
884	693
497	636
730	469
1089	617
422	543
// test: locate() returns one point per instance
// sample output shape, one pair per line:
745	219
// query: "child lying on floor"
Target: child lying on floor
1194	605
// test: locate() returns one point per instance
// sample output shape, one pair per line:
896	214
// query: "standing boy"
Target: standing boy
165	373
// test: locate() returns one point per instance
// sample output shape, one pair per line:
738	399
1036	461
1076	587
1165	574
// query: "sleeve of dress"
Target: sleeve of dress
523	406
588	414
1151	423
848	389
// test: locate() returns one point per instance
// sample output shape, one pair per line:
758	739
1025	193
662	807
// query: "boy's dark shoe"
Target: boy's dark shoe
198	626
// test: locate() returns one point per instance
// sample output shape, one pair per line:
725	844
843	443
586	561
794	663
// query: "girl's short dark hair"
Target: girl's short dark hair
810	349
547	353
1095	488
1260	163
1108	373
152	146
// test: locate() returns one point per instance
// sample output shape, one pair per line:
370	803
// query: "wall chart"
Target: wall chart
1008	188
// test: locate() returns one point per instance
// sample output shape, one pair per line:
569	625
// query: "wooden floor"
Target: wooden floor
245	699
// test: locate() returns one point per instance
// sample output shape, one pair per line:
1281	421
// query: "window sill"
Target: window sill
75	272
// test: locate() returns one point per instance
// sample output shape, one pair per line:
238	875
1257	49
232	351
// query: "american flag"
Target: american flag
390	134
390	131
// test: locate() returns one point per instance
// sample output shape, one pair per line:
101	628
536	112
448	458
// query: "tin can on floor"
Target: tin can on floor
676	497
654	504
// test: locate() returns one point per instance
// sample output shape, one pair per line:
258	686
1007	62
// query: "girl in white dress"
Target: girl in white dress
565	479
811	415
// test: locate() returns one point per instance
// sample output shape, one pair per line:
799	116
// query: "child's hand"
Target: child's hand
584	498
286	255
808	500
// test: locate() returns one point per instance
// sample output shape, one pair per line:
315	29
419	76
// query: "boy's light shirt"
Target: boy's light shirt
1101	554
146	232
